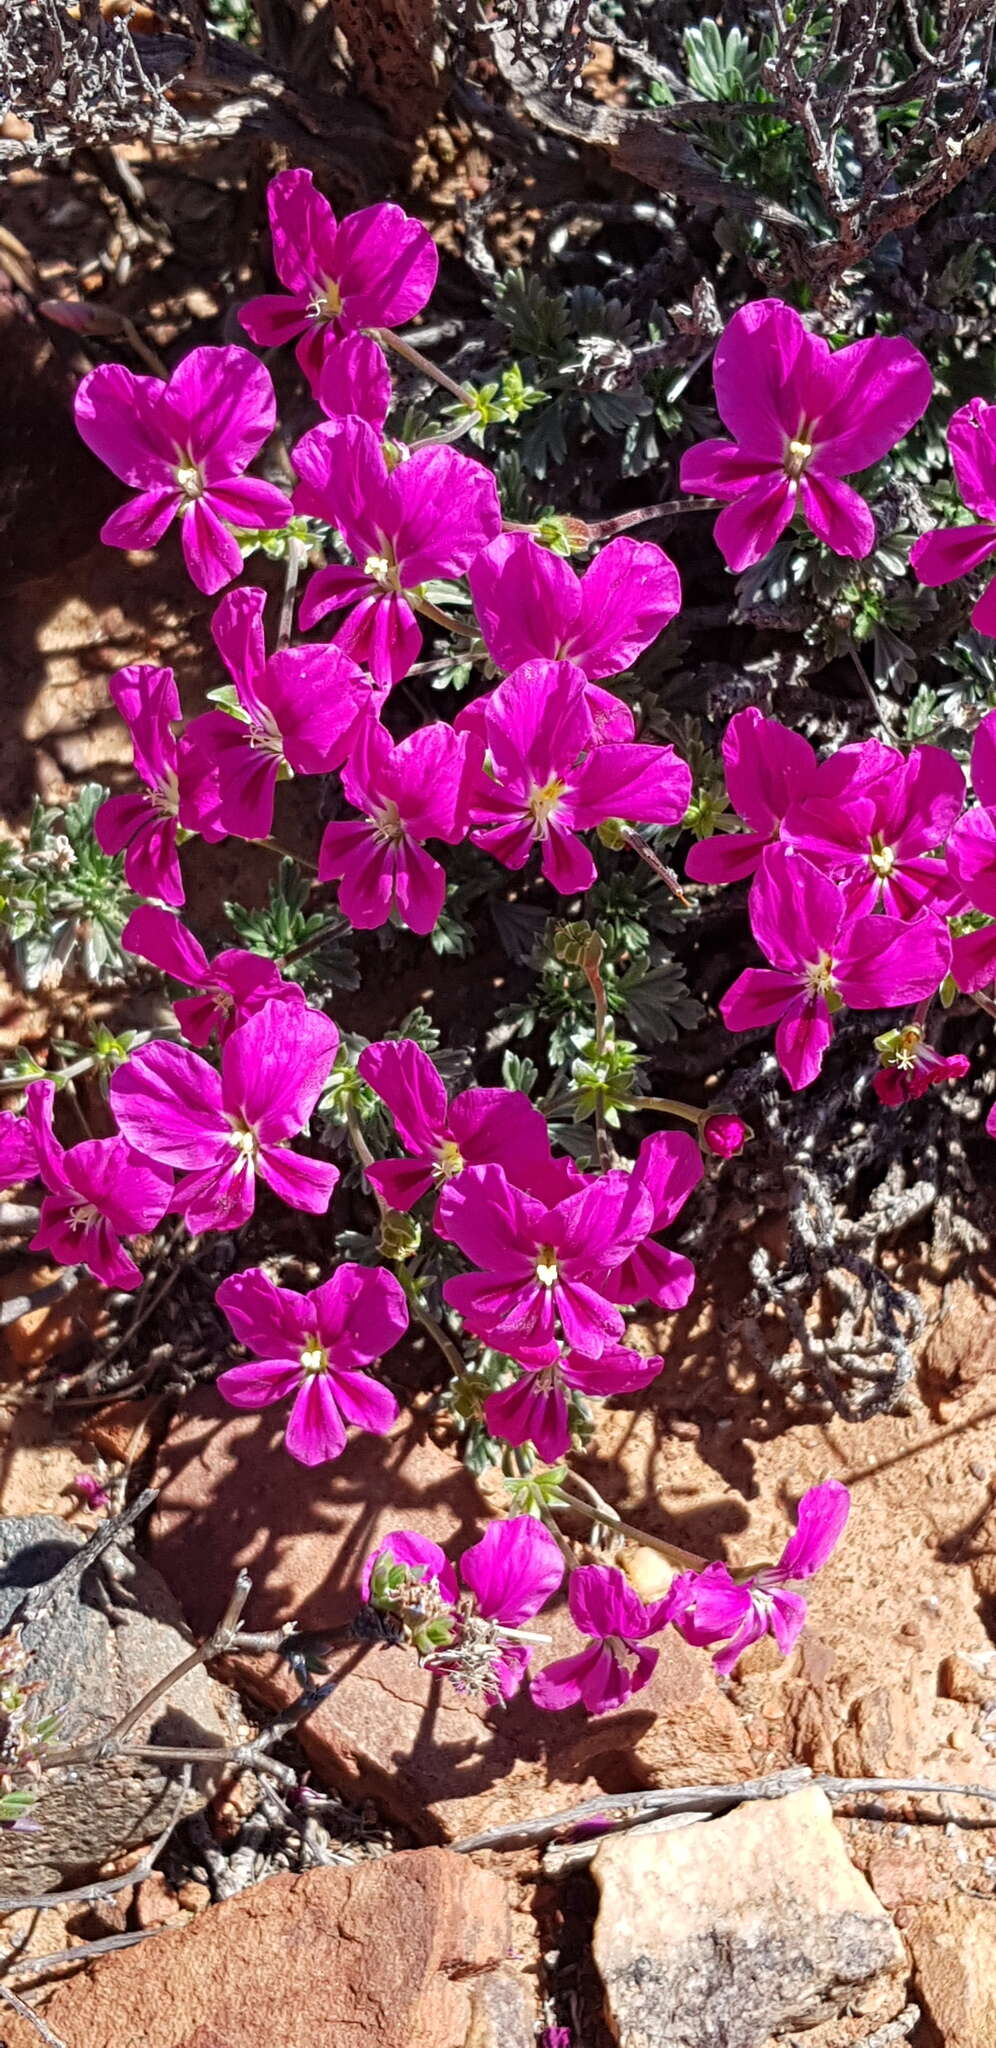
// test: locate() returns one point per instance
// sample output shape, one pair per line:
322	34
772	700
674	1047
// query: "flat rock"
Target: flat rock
443	1764
954	1952
724	1933
101	1647
407	1951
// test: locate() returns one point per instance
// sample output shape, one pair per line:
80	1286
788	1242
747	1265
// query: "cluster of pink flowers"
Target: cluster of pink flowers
869	881
860	865
517	1567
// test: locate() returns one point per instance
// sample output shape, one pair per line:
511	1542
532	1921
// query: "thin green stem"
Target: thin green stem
420	362
440	618
607	1518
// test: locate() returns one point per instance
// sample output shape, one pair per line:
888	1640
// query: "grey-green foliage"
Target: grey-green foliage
577	346
62	899
307	945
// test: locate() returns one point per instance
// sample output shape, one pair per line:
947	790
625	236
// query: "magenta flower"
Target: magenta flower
540	1263
668	1167
98	1193
821	958
510	1574
480	1127
971	856
912	1066
184	446
724	1135
314	1346
92	1494
531	605
871	818
376	268
300	710
408	792
953	551
234	985
711	1606
221	1131
548	778
768	768
802	417
616	1663
534	1409
355	381
426	516
144	825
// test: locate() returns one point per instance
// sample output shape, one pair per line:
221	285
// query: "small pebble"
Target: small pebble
976	1468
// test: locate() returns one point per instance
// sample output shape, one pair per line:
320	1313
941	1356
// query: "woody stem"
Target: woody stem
420	362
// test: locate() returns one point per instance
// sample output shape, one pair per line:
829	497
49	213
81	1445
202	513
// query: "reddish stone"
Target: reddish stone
408	1951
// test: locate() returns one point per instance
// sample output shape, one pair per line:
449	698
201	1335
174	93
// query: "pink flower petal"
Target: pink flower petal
513	1570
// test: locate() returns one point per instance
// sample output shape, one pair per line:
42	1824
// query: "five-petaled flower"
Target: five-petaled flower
480	1127
617	1662
540	1263
184	447
222	1130
821	958
98	1192
531	605
802	417
548	776
233	986
313	1348
427	516
953	551
509	1575
299	711
408	792
714	1607
376	268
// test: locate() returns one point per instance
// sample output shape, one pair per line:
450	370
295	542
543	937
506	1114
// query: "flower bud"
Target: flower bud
725	1135
399	1236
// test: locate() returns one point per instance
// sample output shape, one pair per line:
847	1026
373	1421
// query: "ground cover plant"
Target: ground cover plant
707	821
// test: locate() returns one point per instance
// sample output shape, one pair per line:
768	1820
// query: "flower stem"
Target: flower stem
665	1107
440	618
664	874
603	529
420	362
295	556
284	853
607	1518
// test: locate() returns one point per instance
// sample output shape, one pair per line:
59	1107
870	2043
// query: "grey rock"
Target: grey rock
733	1930
94	1654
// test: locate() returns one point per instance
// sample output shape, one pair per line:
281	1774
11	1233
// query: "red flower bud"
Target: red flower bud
725	1135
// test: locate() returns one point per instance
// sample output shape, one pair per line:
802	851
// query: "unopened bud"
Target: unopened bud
725	1135
399	1236
578	945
